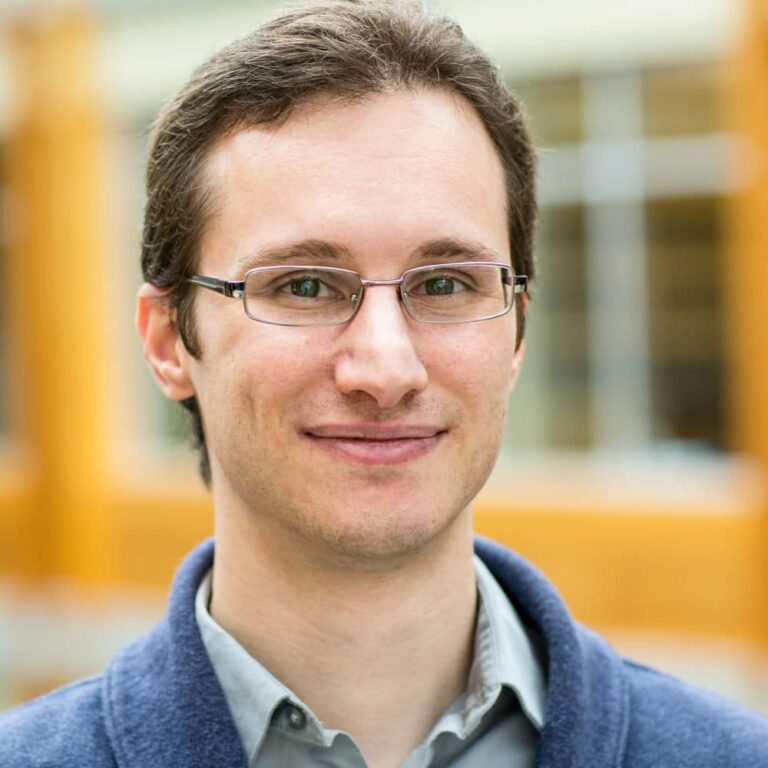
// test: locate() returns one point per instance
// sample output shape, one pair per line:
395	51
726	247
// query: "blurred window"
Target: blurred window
624	343
554	109
684	238
681	101
563	300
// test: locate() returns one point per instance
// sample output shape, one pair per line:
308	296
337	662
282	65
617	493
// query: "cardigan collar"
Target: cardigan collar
163	705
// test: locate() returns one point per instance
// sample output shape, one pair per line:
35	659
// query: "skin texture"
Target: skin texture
343	573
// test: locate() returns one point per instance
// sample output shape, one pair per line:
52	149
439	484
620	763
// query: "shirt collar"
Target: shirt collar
252	693
504	653
503	658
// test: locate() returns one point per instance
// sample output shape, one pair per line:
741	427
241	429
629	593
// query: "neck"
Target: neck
379	653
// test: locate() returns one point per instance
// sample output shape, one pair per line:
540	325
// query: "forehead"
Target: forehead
377	176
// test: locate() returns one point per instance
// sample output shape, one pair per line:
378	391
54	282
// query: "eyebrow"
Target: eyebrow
302	252
324	252
451	248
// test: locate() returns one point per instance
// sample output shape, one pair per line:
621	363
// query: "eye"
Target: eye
443	286
307	286
440	285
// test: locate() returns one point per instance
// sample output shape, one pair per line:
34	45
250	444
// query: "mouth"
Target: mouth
376	444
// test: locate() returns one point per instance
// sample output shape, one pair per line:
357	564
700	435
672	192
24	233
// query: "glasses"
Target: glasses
459	292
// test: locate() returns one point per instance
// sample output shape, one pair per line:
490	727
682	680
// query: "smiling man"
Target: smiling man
337	252
354	422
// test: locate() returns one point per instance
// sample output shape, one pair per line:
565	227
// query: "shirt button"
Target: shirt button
296	718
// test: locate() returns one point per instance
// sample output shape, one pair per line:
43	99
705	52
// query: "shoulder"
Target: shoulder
677	724
63	728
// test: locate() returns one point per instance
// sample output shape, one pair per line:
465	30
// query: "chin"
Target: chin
368	544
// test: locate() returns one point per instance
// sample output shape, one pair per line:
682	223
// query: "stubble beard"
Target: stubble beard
363	530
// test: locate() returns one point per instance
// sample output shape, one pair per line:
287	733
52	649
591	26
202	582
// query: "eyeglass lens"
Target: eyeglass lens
326	296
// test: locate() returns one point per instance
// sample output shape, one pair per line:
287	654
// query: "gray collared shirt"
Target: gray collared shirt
495	722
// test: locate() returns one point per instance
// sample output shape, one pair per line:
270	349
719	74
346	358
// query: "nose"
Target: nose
378	356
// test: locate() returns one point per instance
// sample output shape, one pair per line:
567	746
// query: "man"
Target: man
355	176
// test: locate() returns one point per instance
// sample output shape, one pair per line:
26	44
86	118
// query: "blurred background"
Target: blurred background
636	456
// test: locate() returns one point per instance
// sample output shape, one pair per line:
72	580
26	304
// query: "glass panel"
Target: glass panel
681	100
553	107
684	237
564	270
550	408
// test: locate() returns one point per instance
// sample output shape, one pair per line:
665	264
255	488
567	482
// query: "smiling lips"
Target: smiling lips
372	444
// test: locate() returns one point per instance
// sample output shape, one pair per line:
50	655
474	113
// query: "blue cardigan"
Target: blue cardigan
159	704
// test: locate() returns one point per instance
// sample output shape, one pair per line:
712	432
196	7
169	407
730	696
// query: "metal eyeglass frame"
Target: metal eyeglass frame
235	289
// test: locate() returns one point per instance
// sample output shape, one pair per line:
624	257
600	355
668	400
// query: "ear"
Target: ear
163	347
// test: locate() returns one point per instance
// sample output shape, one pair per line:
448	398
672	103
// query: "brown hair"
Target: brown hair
347	49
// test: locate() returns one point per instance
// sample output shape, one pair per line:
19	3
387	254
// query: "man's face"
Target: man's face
368	440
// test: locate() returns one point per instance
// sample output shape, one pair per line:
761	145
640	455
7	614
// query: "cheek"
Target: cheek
482	372
271	369
482	363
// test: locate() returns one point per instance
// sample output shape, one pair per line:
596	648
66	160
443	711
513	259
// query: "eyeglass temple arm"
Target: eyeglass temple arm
230	288
521	283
